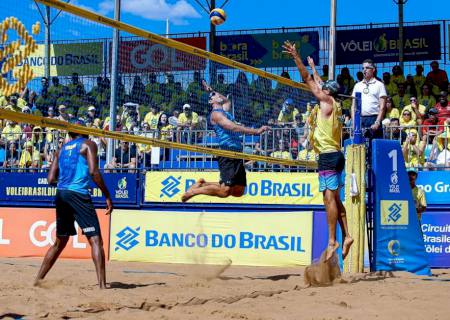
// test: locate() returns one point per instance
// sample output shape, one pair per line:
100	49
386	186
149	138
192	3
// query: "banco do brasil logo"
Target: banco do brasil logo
395	212
170	186
127	238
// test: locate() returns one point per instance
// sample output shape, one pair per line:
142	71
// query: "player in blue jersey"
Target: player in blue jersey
74	167
233	179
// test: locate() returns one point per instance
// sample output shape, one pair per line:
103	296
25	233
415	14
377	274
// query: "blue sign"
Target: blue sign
436	236
436	185
265	50
381	44
33	187
398	242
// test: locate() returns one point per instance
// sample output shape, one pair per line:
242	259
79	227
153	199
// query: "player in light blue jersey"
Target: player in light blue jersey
233	178
74	167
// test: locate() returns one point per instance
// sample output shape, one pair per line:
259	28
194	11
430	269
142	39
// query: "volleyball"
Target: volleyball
217	16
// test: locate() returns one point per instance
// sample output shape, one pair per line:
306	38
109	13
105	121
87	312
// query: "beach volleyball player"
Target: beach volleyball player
327	143
73	168
233	178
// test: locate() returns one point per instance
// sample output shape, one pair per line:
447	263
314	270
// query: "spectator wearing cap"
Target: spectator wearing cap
443	107
153	116
30	157
63	116
373	104
419	78
287	113
418	111
437	77
426	98
418	194
401	99
413	149
91	113
391	87
188	119
432	126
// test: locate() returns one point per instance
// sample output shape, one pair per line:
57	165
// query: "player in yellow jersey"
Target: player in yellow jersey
327	143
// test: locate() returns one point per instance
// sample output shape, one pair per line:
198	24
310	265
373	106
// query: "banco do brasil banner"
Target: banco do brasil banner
262	188
146	56
67	58
34	187
381	44
265	50
223	238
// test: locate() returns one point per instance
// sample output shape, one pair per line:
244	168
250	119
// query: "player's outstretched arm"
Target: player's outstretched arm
229	125
290	49
90	150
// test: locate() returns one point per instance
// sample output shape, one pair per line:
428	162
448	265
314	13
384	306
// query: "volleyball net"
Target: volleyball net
160	97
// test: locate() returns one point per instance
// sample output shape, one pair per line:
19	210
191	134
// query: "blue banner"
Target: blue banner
436	235
33	187
265	50
381	44
398	242
436	185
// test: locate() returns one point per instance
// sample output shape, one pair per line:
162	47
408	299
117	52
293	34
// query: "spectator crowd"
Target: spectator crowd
417	113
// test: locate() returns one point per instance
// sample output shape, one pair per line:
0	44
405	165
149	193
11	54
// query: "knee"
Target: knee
96	241
225	191
61	242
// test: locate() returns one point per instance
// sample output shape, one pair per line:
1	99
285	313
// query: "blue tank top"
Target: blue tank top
228	140
73	168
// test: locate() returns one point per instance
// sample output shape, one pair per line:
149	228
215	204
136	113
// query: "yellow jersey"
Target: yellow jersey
281	155
327	134
394	113
419	199
152	120
307	155
287	117
182	118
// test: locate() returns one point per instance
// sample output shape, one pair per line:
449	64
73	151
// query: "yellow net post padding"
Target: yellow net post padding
356	206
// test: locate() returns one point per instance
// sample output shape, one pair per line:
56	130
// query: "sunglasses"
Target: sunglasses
212	94
407	114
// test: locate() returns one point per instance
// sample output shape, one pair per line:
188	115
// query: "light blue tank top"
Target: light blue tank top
228	140
73	168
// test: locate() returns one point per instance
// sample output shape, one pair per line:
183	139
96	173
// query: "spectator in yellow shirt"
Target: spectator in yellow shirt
417	110
419	78
188	118
12	132
418	194
13	104
397	75
152	117
391	87
401	99
30	158
406	120
391	110
413	149
308	154
426	98
287	113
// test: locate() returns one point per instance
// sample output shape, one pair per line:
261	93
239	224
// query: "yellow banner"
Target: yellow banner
262	188
195	237
67	58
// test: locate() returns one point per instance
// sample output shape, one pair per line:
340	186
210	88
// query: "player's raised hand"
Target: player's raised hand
290	49
206	86
262	129
311	62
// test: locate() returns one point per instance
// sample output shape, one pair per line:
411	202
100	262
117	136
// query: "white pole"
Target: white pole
332	51
167	27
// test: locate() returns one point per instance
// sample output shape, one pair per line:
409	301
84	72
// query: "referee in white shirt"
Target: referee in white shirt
373	103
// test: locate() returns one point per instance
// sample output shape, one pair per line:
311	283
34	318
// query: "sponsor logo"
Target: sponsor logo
394	213
394	187
170	186
394	247
41	235
122	192
127	238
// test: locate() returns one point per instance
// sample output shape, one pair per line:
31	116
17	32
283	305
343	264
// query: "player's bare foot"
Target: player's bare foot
346	246
187	195
331	249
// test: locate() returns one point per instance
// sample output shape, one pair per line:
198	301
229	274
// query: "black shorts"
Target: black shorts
331	161
232	172
73	206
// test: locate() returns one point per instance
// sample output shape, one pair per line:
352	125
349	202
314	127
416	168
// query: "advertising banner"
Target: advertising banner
436	235
33	187
265	50
67	58
436	185
262	188
381	44
199	237
29	232
146	56
398	242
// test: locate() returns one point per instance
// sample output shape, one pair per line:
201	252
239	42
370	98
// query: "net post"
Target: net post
357	137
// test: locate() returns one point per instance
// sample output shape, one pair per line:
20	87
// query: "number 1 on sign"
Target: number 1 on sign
393	156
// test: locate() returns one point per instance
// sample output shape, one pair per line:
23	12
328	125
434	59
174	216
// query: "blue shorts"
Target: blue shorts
330	179
331	166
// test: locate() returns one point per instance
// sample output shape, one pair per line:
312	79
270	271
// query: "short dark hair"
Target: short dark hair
369	61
